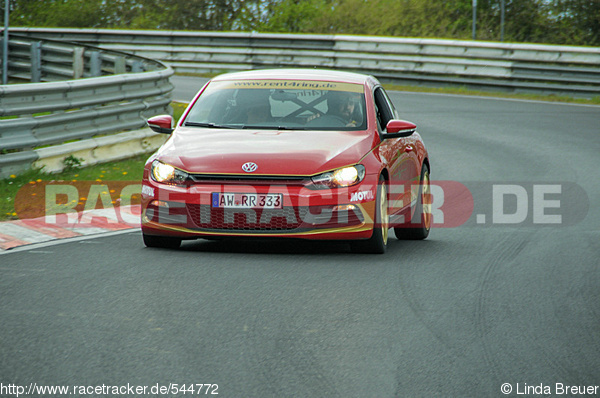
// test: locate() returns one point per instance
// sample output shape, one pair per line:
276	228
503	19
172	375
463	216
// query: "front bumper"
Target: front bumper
187	212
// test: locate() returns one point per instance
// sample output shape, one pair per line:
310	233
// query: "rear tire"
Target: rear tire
377	243
164	242
420	225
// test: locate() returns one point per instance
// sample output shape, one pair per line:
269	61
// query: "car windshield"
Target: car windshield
280	104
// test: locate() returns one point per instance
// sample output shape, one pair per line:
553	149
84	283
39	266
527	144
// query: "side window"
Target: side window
378	113
384	108
390	104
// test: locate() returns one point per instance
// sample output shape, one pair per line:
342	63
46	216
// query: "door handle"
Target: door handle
408	148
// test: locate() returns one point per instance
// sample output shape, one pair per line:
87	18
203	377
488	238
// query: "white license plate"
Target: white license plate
247	200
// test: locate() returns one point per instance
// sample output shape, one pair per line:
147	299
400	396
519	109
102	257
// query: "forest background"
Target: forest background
570	22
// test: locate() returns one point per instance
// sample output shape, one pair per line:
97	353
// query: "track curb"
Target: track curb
17	233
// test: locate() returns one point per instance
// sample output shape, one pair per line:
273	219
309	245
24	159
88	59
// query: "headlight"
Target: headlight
167	174
344	177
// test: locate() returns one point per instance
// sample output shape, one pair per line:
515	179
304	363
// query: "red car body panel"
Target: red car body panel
286	160
276	152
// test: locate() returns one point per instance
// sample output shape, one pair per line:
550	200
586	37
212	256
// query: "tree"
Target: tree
296	16
539	21
72	13
578	21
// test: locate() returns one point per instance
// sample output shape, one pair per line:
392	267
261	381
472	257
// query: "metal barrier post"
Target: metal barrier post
120	66
5	45
137	67
36	62
95	64
78	62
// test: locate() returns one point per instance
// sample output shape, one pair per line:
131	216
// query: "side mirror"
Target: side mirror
399	128
161	124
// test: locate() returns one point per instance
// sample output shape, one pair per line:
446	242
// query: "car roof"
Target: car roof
300	74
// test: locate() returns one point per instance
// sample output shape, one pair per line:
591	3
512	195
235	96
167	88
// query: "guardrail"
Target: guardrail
109	92
527	68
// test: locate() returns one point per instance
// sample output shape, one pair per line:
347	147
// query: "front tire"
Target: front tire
420	225
163	242
377	243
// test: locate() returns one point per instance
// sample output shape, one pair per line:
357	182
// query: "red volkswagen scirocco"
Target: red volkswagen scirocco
312	154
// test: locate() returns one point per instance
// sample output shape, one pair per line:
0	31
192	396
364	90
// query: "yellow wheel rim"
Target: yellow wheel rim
426	200
383	211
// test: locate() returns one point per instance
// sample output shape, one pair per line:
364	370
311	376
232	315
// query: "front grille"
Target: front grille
209	218
288	218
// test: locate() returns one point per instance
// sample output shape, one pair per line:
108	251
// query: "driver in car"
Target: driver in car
341	106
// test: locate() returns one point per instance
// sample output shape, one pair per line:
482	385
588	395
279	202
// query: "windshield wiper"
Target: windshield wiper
209	125
273	127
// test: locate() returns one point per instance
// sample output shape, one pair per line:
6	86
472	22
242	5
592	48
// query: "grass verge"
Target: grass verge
125	170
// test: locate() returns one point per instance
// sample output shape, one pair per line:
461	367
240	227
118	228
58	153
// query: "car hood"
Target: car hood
212	151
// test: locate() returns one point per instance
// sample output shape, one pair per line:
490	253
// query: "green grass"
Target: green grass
27	185
178	108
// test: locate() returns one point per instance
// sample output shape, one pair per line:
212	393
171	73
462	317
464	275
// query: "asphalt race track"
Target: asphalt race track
504	296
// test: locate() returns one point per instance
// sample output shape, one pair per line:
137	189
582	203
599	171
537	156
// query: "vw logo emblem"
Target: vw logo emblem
249	167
